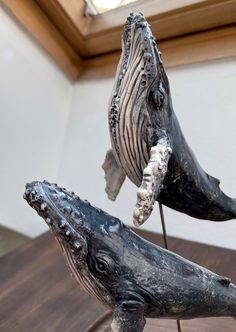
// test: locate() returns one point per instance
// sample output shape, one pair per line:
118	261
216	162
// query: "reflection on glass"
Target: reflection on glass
101	6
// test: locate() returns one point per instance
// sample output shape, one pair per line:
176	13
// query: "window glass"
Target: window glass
101	6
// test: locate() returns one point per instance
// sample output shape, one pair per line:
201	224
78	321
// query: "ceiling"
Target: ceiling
79	42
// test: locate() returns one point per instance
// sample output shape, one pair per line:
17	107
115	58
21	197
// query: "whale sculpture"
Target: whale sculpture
147	142
132	276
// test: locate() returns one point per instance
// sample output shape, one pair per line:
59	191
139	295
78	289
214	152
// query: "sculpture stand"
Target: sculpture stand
179	323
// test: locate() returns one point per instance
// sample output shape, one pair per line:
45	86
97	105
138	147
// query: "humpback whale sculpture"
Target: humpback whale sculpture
147	142
134	277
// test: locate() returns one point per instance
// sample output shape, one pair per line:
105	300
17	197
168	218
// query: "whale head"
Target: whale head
85	235
141	83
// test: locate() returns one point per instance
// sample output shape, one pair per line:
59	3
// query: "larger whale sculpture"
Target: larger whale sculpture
147	142
132	276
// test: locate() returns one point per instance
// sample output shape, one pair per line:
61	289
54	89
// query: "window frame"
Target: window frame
188	31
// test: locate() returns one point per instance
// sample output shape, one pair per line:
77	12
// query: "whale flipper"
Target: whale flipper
128	317
153	176
114	175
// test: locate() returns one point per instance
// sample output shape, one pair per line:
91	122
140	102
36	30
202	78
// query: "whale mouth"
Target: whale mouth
140	55
138	42
52	203
63	212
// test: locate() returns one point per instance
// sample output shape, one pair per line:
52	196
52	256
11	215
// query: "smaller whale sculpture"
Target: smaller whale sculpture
132	276
148	145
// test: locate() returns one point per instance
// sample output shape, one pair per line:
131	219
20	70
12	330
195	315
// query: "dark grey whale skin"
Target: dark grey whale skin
131	275
187	187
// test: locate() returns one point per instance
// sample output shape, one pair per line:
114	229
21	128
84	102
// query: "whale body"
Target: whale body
140	116
134	277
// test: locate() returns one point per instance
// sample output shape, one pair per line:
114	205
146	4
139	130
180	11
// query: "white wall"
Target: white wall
34	105
205	102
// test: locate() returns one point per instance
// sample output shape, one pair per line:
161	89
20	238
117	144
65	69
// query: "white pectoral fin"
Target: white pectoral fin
128	319
153	176
114	175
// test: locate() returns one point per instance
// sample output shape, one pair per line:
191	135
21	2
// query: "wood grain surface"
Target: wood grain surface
36	22
38	294
204	46
10	240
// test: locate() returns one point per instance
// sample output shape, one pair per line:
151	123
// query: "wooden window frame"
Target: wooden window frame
188	31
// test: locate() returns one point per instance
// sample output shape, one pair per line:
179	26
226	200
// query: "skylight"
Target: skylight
101	6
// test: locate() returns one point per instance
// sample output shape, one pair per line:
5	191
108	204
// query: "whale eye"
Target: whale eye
157	99
101	265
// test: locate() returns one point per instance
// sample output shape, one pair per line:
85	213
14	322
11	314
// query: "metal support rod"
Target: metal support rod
163	224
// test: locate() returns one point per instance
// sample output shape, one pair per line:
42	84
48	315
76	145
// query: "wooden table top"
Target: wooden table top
38	294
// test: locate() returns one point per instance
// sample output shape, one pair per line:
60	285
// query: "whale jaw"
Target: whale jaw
67	218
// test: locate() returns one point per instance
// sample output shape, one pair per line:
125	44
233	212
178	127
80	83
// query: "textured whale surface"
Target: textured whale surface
136	278
141	117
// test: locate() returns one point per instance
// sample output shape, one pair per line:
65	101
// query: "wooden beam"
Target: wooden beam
210	45
61	28
101	34
68	17
168	19
114	19
205	46
34	20
100	66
